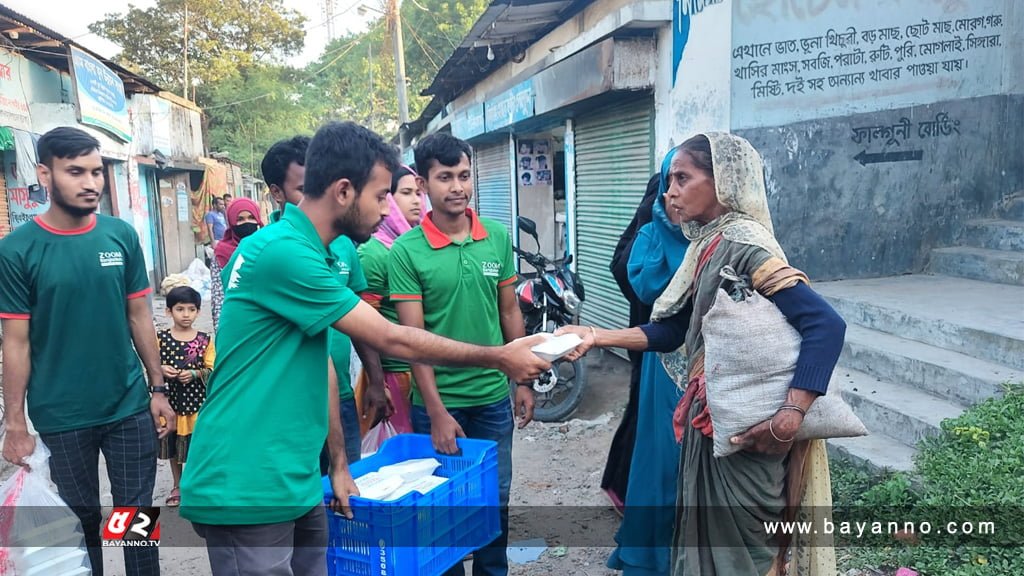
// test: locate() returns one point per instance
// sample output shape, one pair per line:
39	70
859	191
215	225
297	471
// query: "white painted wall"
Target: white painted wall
797	60
702	91
663	92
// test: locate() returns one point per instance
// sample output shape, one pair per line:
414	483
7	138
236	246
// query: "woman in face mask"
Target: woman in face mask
243	219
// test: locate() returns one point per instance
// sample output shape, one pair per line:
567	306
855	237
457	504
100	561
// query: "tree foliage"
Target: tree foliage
254	107
251	99
223	36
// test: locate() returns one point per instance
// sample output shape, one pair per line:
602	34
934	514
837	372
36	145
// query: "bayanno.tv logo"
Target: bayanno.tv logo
132	526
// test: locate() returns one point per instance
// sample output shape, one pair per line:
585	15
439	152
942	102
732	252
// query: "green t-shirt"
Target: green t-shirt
350	273
374	257
255	452
72	287
458	284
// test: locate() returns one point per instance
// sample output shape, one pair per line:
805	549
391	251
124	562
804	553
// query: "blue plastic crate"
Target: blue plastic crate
419	534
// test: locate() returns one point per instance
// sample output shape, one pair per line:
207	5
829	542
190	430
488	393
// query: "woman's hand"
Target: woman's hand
760	439
170	372
586	333
186	376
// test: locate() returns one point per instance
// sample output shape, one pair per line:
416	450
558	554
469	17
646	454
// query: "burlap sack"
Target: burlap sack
750	354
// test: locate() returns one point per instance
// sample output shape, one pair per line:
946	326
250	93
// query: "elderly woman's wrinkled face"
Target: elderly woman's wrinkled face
691	193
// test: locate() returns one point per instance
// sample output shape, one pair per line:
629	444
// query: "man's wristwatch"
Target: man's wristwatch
158	390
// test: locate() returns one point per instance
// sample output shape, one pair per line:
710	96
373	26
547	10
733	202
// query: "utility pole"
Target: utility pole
395	20
184	84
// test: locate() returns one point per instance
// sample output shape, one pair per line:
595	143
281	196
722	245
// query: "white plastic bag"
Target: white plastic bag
376	436
199	278
39	533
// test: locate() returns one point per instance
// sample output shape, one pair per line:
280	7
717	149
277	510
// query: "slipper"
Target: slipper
173	499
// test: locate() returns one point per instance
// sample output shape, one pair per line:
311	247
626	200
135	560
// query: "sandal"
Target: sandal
173	499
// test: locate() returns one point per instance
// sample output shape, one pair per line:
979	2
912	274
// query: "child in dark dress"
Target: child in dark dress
186	356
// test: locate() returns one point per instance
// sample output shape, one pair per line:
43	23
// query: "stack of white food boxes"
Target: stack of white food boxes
396	480
65	554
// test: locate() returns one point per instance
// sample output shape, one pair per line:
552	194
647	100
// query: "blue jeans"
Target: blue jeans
492	422
353	437
129	447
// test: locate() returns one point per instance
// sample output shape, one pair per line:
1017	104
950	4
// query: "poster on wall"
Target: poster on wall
99	94
184	205
23	202
13	105
534	161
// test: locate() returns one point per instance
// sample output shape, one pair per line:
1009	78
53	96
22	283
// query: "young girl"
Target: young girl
407	207
186	356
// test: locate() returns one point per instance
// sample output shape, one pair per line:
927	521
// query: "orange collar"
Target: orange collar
438	239
60	232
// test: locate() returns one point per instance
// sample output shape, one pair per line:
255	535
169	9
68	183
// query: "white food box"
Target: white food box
411	470
67	562
557	346
422	485
375	486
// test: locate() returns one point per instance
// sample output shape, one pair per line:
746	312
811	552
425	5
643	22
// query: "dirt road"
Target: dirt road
555	489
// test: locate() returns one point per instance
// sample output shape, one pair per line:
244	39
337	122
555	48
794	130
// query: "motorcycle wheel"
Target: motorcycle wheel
559	403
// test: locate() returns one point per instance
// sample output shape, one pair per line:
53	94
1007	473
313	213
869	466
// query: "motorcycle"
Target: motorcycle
549	299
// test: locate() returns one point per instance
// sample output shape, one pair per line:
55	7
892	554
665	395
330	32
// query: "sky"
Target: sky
72	18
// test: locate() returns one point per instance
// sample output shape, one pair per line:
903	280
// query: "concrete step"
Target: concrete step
876	452
943	373
995	234
979	319
897	410
979	264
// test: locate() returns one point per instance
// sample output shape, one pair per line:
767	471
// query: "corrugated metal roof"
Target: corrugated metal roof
505	30
48	47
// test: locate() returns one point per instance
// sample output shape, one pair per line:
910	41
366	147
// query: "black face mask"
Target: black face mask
243	230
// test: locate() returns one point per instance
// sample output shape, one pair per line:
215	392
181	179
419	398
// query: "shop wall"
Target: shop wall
596	22
175	214
884	124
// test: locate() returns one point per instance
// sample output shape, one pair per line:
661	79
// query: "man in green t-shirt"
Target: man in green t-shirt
455	276
75	309
284	169
252	485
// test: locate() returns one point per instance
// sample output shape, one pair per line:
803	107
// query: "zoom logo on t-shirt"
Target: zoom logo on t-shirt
115	258
491	269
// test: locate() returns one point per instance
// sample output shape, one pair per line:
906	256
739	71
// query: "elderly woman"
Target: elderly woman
717	187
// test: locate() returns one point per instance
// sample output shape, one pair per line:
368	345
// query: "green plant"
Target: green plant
972	472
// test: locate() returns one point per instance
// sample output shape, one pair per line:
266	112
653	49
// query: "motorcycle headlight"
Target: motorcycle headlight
572	303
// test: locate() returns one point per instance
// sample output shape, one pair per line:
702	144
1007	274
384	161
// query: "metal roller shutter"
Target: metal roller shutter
494	182
614	161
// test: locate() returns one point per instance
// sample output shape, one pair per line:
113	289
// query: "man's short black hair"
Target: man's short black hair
345	150
184	295
280	156
65	142
442	148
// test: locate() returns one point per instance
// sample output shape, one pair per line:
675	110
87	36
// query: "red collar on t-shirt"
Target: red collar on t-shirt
438	239
87	228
